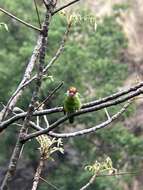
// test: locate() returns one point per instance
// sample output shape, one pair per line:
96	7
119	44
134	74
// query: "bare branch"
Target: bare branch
82	132
26	79
19	145
25	83
107	113
37	174
19	20
14	98
91	181
16	95
90	104
17	150
93	178
83	111
120	100
114	96
60	50
6	123
65	6
121	173
12	165
50	95
47	3
92	129
38	16
50	184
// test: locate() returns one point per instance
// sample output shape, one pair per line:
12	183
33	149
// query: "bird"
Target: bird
72	102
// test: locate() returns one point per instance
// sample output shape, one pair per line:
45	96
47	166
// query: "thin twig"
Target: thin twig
114	96
18	91
60	49
25	83
19	20
121	173
107	113
37	12
50	96
91	181
65	6
46	3
49	183
17	94
38	49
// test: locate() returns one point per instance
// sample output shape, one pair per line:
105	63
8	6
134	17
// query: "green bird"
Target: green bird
72	102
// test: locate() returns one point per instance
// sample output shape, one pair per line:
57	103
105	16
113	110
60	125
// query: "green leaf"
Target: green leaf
2	24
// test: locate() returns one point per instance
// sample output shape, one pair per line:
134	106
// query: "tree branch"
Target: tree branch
97	107
82	132
16	153
114	96
26	82
65	6
12	165
37	174
50	95
39	47
37	12
60	50
6	123
19	20
16	95
121	173
91	181
50	184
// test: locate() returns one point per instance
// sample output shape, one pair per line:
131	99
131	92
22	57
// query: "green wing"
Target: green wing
72	104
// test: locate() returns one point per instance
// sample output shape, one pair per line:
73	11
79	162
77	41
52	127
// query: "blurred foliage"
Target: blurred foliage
91	61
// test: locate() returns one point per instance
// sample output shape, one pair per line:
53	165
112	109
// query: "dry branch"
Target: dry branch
37	174
82	132
16	95
17	150
37	12
114	96
91	181
65	6
26	79
60	49
50	96
19	20
99	104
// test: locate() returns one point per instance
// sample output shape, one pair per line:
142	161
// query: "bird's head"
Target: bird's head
72	91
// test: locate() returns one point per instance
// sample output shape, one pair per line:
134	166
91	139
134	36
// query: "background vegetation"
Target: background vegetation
93	61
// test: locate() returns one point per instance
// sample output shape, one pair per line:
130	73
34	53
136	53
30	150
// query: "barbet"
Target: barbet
72	102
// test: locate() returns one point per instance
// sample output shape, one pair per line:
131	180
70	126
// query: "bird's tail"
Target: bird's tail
71	120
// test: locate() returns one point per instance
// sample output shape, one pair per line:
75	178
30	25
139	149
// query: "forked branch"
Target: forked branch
20	20
99	104
82	132
65	6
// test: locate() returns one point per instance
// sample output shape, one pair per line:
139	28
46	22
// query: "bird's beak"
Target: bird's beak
71	94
